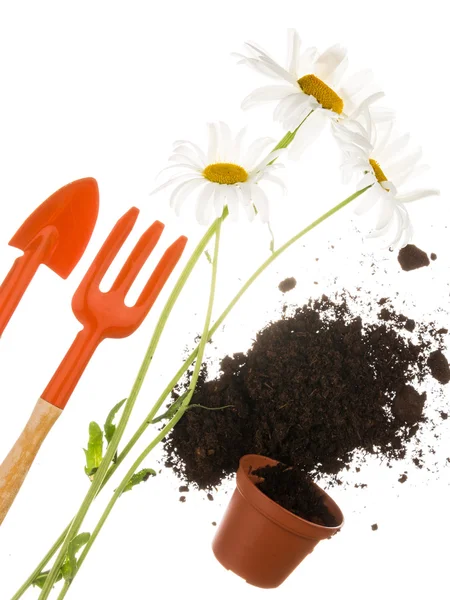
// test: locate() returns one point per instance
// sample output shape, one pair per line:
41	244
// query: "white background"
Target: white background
102	89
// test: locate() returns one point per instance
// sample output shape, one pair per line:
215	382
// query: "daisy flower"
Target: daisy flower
311	81
225	175
380	159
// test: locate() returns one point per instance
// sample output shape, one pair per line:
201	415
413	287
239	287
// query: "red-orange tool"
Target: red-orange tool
55	234
103	315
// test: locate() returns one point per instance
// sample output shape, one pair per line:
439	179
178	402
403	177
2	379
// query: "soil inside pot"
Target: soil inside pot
291	488
316	386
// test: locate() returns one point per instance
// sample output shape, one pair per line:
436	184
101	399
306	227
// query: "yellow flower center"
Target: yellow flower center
378	171
313	86
226	173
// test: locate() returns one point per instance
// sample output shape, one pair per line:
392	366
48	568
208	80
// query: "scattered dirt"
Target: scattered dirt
287	284
411	257
292	489
433	256
375	527
182	498
403	478
183	488
314	387
439	367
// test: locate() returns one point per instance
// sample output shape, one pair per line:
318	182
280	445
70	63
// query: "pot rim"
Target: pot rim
276	513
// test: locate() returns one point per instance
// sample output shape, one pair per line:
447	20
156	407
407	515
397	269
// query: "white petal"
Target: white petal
389	187
259	66
367	200
267	93
288	105
394	148
355	138
245	200
204	205
365	104
190	154
255	150
182	167
402	227
418	195
218	200
379	232
386	211
237	144
294	46
183	192
308	133
225	143
381	114
397	168
199	151
272	156
306	64
232	202
261	202
358	81
384	133
329	61
273	65
175	179
183	158
277	180
414	171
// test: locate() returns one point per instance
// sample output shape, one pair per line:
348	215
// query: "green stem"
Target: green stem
201	349
129	405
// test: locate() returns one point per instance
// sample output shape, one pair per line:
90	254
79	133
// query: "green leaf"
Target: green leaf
42	578
138	478
109	427
94	452
70	566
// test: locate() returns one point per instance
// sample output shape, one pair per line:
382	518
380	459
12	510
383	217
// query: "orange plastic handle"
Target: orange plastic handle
22	272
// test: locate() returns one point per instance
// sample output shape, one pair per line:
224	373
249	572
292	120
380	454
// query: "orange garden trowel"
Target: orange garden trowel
103	315
56	235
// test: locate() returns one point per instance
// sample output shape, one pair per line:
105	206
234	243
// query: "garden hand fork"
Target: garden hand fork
103	315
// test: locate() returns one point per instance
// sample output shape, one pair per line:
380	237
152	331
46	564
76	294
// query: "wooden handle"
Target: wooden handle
16	465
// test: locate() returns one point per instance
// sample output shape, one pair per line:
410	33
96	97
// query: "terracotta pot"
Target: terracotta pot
258	539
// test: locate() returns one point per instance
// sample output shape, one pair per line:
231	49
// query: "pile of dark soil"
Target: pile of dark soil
292	489
314	387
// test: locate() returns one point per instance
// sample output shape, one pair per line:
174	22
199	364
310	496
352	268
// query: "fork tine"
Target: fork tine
137	258
160	275
111	247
